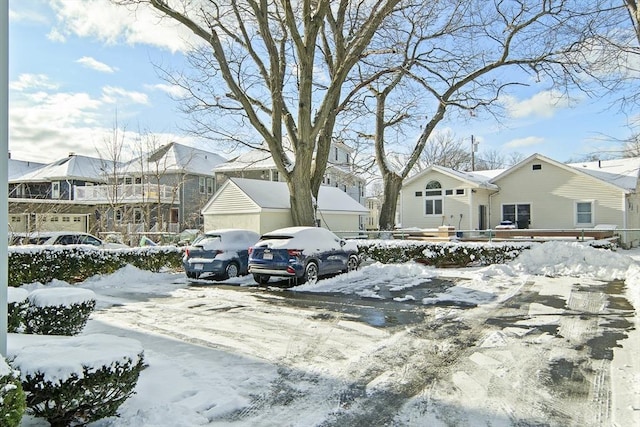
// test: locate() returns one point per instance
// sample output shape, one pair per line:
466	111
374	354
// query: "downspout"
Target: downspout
471	190
69	187
624	218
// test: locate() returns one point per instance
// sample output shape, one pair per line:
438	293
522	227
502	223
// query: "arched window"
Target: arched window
433	198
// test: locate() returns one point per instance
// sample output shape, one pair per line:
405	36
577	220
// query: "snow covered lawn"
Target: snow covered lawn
549	339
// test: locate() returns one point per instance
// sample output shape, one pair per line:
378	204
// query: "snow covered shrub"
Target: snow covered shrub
77	263
12	398
77	380
17	305
59	311
440	254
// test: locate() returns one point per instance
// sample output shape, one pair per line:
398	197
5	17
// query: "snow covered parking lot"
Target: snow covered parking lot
549	339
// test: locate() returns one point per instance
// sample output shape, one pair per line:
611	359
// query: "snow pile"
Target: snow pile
572	259
59	358
55	297
15	295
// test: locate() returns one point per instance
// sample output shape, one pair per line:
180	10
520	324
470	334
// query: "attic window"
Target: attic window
536	167
418	193
448	192
460	191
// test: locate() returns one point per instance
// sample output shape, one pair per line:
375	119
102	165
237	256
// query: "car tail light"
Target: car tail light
186	252
250	250
294	252
290	270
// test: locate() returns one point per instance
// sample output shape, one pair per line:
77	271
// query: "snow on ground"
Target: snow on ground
231	356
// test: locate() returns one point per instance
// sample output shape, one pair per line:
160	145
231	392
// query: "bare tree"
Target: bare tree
445	149
453	54
280	66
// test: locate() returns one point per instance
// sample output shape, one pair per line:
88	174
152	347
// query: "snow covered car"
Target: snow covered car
219	254
303	254
67	238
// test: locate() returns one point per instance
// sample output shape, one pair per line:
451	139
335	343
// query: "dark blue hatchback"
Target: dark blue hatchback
303	254
219	254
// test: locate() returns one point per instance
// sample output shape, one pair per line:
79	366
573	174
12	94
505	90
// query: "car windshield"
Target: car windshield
206	238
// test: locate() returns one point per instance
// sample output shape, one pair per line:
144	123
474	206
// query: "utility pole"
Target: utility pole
474	148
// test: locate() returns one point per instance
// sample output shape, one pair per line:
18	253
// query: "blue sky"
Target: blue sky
74	65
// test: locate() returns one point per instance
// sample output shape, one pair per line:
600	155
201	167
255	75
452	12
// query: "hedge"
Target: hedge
28	264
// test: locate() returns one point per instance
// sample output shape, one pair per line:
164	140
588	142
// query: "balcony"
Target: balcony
126	193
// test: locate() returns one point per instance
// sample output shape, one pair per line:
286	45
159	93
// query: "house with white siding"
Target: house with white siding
264	206
538	193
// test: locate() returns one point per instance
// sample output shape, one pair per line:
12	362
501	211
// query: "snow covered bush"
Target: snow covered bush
12	398
76	263
440	254
58	311
17	305
77	380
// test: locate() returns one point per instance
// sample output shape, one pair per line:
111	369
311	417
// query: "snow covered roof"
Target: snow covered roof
175	157
73	167
622	173
18	168
251	160
275	195
476	179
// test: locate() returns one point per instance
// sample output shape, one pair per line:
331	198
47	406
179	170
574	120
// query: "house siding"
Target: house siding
552	193
460	211
270	221
248	221
232	200
339	221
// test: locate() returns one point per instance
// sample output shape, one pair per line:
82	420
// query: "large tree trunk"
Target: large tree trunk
302	205
392	187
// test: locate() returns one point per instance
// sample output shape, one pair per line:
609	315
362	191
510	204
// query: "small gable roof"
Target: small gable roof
73	167
275	195
478	179
175	157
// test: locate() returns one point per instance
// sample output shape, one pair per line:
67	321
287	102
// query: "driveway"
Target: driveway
522	351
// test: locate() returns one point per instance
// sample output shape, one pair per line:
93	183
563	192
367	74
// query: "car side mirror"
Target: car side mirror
342	242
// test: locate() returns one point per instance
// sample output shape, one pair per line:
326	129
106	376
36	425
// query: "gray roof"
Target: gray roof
622	173
175	157
18	168
275	195
477	179
73	167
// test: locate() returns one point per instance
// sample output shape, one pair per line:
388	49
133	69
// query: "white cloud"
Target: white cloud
524	142
112	24
112	95
542	104
172	90
31	81
94	64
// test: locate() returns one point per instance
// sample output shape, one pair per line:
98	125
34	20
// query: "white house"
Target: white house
264	206
536	193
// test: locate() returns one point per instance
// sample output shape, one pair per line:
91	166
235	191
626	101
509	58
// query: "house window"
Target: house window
118	215
584	213
66	219
536	167
137	215
54	219
418	193
336	153
202	184
138	180
128	180
433	207
460	192
448	192
76	219
433	198
55	190
209	185
275	176
519	214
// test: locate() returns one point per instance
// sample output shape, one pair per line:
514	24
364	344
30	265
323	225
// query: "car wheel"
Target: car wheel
311	273
352	263
261	279
232	270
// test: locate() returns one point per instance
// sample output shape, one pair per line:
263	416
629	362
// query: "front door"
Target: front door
482	217
523	218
